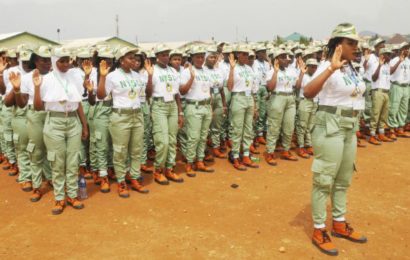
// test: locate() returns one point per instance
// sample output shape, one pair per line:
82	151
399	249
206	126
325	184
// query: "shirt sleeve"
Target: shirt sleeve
109	83
185	76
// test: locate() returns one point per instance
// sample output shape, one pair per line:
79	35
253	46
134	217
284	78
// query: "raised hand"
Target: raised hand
402	56
15	80
148	67
337	62
382	60
87	67
191	70
232	60
104	69
301	65
89	85
276	65
37	79
366	54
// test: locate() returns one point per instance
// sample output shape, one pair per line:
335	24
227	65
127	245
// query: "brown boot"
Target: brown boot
287	155
270	158
173	176
359	135
84	171
261	140
58	208
160	178
229	143
36	196
26	186
253	149
105	184
246	160
96	178
146	169
309	150
322	241
407	128
7	165
400	133
111	174
222	146
360	143
189	171
123	190
13	170
209	157
302	153
373	140
344	230
2	158
218	154
75	203
151	155
200	167
137	186
384	138
390	134
238	165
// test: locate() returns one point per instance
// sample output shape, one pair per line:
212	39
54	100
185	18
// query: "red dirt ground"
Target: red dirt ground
205	218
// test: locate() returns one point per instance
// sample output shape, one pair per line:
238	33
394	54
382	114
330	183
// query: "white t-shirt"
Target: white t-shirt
305	80
58	93
165	82
285	80
261	69
216	76
77	76
27	86
383	81
372	64
201	86
244	80
6	75
144	77
225	67
402	73
342	88
124	88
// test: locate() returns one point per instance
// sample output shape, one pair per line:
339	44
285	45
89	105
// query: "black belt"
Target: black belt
105	103
162	99
343	112
381	90
63	114
126	111
201	102
242	93
400	84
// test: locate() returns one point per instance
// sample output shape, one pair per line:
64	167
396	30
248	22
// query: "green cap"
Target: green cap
84	53
105	52
25	55
251	53
161	48
404	45
312	62
227	49
378	41
212	49
345	30
197	49
123	51
260	47
43	51
385	51
11	53
176	52
242	48
308	51
61	52
279	52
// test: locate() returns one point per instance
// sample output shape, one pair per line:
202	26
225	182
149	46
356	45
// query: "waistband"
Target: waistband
126	111
201	102
162	99
283	93
105	103
400	84
380	90
62	114
339	111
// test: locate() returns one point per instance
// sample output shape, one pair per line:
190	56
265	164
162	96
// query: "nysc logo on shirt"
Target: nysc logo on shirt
167	78
128	83
202	77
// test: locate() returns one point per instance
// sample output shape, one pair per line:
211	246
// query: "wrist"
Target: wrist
331	69
181	113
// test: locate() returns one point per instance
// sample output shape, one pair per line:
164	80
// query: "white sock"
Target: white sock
319	226
340	219
246	154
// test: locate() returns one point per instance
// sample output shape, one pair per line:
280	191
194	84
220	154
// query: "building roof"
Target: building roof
88	42
8	36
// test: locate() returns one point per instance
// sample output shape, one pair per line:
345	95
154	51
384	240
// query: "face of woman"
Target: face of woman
137	63
261	55
243	57
12	61
349	49
251	59
63	64
26	66
311	69
198	60
211	60
128	61
175	61
283	60
163	57
43	65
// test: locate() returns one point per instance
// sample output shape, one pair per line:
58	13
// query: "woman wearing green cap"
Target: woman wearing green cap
35	121
126	121
99	119
241	83
64	128
338	86
18	122
167	116
196	85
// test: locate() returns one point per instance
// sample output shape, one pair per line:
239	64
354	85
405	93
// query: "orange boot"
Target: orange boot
400	133
137	186
173	176
200	167
373	140
75	203
218	154
58	208
344	230
384	138
123	190
261	140
105	184
146	169
36	196
189	171
270	158
302	153
253	149
13	170
237	165
287	155
246	160
322	241
160	178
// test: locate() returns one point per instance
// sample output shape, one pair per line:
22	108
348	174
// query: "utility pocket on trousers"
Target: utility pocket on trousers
30	147
323	172
16	137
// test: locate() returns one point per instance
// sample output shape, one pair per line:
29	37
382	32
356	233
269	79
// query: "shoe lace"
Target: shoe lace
326	238
348	228
123	185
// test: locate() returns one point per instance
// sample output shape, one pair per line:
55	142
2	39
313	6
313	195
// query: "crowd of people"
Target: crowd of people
104	113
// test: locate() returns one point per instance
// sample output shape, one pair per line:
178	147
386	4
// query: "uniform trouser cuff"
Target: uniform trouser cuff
103	173
319	226
339	219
